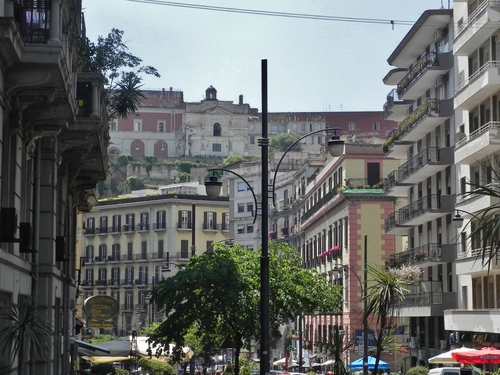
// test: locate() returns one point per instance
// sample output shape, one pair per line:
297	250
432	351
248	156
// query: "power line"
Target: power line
276	14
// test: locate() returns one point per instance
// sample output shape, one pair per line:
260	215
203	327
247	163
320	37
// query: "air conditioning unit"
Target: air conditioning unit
421	355
438	35
443	344
413	342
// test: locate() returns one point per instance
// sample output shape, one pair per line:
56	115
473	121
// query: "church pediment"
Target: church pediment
218	111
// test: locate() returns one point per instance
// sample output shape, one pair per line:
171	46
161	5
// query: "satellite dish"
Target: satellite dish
459	136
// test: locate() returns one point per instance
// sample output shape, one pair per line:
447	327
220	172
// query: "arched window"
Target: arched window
216	129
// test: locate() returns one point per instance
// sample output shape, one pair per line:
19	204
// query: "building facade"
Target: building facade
128	244
422	103
475	321
53	152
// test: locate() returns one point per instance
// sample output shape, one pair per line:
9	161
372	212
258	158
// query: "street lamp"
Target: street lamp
336	148
364	287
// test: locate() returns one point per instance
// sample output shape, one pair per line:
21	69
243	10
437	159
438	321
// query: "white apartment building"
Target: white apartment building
476	47
423	77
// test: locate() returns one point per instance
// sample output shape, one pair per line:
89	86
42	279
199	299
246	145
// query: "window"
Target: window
320	140
217	130
184	219
130	251
303	128
115	251
103	224
137	125
117	223
184	249
216	147
160	220
90	223
89	252
144	224
376	126
137	145
352	126
250	207
252	140
160	248
144	250
240	228
130	222
210	220
113	127
241	207
249	228
252	128
225	221
162	146
161	127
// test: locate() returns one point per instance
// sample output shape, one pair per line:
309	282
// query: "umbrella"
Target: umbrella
329	362
358	364
282	362
478	357
446	358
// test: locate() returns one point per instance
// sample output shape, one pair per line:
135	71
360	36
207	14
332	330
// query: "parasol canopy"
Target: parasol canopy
358	364
482	356
446	358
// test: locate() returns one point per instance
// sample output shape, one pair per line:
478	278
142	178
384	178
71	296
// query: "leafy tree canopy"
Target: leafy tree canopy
122	71
281	142
217	295
418	370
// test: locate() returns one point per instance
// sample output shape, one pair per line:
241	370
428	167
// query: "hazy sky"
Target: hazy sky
313	65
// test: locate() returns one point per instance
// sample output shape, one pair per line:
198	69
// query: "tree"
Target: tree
121	70
384	295
217	295
231	159
27	331
418	370
281	142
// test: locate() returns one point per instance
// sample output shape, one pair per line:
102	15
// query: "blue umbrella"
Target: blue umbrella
358	364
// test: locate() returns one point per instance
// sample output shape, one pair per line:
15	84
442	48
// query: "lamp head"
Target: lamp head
213	187
336	272
335	144
457	221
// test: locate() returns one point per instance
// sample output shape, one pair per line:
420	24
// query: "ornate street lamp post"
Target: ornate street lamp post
213	187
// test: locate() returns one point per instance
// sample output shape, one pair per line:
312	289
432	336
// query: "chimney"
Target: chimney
241	100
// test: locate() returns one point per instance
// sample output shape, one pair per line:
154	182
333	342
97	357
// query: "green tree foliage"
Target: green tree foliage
131	183
384	295
231	159
122	71
281	142
25	330
98	339
418	370
217	295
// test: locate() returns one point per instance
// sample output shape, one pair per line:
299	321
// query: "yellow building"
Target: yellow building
127	243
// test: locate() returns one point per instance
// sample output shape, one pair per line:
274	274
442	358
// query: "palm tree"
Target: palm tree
26	332
384	295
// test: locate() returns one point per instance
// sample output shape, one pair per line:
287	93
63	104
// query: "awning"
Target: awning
88	346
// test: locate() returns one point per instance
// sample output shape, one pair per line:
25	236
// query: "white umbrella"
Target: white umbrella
329	362
446	358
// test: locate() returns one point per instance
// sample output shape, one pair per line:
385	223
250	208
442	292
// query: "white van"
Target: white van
454	371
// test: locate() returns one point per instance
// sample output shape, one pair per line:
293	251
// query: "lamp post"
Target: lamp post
213	186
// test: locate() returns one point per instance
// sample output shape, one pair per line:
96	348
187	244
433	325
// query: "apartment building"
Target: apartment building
421	102
476	320
129	244
53	152
326	216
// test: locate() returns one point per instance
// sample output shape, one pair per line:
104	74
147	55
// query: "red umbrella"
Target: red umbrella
478	357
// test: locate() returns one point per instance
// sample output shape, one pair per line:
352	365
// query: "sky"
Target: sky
314	65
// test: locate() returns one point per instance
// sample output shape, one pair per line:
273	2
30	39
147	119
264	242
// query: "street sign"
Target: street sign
100	324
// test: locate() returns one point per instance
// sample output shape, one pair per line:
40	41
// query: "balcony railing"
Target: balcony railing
211	226
428	60
159	226
128	228
428	252
427	108
462	85
32	19
477	133
321	202
474	16
142	226
423	299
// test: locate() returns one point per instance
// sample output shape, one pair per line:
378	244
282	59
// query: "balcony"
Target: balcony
477	202
182	225
101	230
114	282
142	227
428	253
211	227
115	229
159	226
477	28
478	144
88	231
474	320
396	109
425	119
478	87
422	76
471	261
423	165
427	299
419	212
128	228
